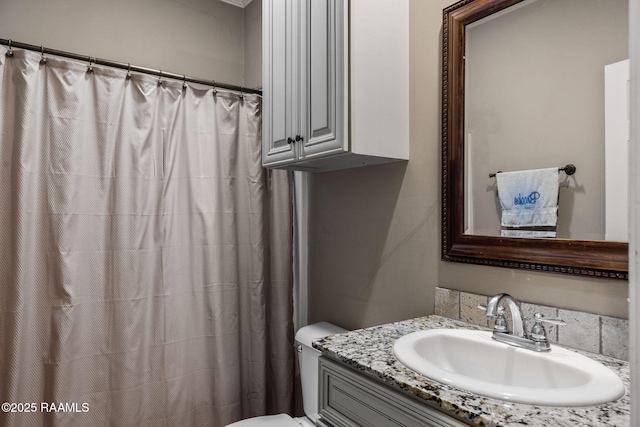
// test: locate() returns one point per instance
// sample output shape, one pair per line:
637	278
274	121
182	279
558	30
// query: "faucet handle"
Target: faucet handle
539	317
538	332
500	324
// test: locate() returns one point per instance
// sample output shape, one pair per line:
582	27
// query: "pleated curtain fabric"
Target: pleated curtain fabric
145	254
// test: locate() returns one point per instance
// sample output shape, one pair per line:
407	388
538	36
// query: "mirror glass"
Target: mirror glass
527	87
545	86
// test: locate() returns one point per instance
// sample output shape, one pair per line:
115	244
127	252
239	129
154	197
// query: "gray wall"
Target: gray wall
375	238
199	38
253	44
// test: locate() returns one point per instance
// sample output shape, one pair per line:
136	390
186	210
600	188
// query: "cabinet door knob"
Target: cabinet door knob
299	138
290	140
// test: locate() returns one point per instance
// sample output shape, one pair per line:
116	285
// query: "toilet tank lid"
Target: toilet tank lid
307	334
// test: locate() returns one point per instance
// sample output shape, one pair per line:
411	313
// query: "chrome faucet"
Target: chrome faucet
517	335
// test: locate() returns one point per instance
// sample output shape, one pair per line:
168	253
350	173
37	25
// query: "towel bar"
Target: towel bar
569	170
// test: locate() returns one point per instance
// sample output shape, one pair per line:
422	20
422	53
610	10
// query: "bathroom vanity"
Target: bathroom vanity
363	384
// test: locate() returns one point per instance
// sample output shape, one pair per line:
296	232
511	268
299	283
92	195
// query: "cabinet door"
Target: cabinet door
324	74
281	79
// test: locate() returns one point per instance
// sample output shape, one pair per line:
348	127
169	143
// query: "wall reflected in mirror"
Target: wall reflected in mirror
535	98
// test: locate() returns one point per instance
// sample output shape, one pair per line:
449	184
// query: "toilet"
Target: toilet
308	359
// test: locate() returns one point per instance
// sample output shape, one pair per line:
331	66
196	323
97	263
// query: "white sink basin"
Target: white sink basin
473	361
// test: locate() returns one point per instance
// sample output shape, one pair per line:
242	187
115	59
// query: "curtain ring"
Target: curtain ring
43	59
215	91
128	77
90	67
241	92
184	82
9	52
160	79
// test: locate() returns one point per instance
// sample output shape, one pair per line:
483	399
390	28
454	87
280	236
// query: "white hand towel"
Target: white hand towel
529	198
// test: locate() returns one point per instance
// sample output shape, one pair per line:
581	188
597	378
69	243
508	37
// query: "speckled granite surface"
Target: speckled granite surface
370	351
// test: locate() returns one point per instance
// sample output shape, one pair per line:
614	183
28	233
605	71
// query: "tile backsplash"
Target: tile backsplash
608	336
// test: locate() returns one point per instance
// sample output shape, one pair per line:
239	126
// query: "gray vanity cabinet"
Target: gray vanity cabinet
350	399
334	83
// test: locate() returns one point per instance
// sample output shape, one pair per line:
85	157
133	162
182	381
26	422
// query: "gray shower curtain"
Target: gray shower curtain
145	254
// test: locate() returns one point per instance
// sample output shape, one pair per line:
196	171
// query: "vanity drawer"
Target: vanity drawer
349	399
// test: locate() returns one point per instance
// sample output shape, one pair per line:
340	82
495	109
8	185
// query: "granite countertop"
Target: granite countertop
370	351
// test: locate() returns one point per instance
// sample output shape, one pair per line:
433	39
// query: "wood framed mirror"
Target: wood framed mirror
574	256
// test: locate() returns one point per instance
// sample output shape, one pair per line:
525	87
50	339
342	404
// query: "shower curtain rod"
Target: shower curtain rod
125	66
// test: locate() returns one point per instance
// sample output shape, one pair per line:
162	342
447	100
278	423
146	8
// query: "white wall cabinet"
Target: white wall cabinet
335	83
348	398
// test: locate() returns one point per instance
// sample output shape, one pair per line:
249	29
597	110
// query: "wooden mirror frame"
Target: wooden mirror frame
589	258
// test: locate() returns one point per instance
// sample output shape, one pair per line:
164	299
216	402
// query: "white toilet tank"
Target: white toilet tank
308	360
